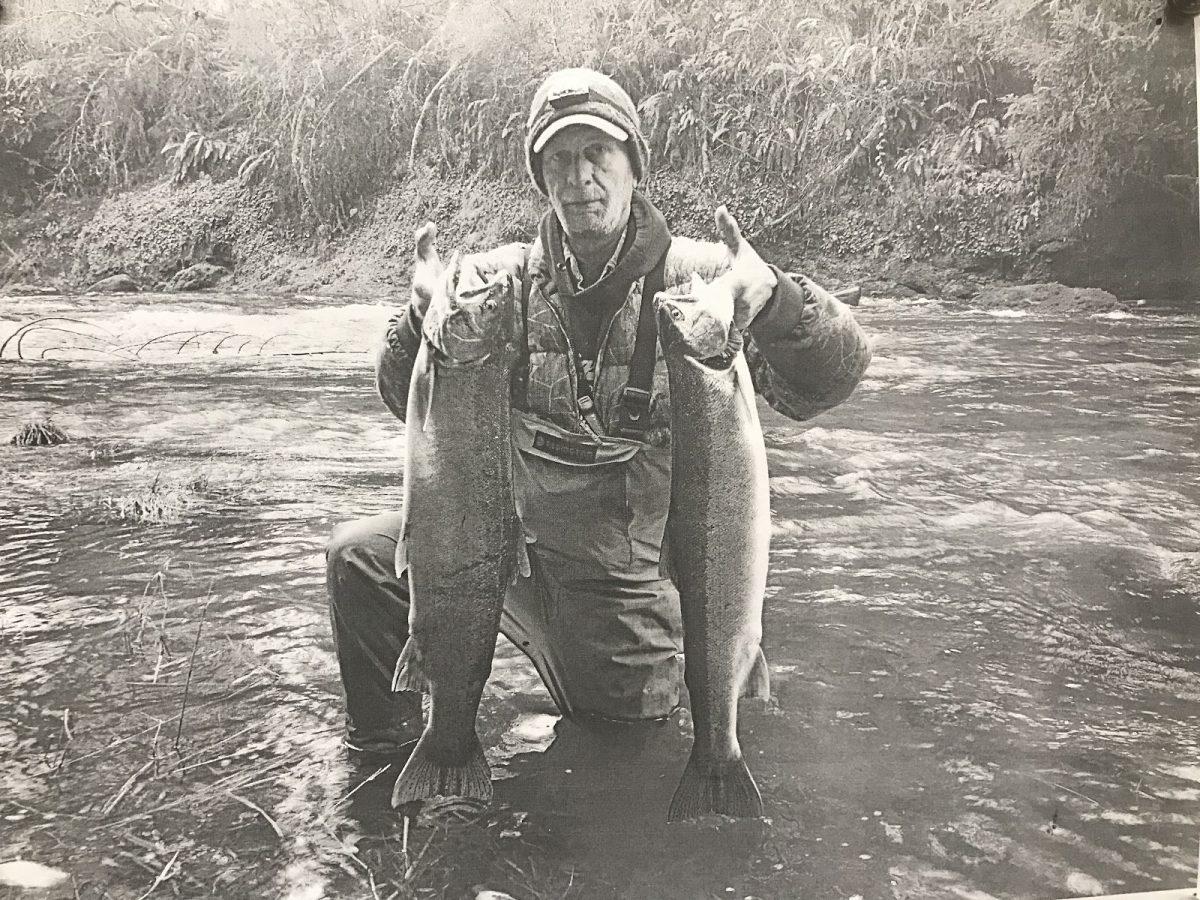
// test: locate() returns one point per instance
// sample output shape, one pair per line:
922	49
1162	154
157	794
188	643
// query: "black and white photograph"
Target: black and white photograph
615	449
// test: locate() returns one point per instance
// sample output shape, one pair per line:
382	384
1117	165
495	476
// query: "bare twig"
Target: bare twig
258	809
425	107
361	72
62	758
162	876
191	665
112	802
1067	789
860	147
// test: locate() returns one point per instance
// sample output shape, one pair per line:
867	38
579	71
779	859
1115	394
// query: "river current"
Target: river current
982	622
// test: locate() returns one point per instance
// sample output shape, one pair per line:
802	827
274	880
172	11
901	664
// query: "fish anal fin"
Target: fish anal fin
758	682
410	670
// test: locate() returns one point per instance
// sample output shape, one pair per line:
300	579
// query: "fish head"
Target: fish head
697	323
471	323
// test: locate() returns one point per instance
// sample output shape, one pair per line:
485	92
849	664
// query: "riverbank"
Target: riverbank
917	150
205	233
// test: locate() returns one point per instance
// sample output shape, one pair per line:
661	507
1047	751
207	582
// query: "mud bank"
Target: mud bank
205	233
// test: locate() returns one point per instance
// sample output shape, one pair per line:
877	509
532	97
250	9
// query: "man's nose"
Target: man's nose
579	172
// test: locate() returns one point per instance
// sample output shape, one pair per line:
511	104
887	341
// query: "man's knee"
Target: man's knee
362	548
343	544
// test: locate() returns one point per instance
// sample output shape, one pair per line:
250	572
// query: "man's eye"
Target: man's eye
596	152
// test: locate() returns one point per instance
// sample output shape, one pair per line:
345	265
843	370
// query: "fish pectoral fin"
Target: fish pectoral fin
758	682
422	395
402	551
523	538
524	568
410	674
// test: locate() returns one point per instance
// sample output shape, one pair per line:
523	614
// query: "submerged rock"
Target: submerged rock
114	284
21	873
1047	297
197	277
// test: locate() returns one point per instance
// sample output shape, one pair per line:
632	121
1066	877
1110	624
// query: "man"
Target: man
598	615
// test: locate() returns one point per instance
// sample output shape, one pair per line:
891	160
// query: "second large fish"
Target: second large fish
719	527
461	536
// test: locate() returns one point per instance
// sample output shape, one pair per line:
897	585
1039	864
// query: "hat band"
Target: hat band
616	132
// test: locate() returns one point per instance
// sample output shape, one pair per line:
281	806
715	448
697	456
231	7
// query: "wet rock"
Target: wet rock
114	284
24	289
1080	884
1050	297
887	288
959	290
1051	247
30	876
197	277
849	295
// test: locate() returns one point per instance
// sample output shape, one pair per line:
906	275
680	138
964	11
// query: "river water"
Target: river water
981	622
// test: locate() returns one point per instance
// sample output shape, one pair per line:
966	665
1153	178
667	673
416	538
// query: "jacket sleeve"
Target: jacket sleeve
395	358
805	351
402	338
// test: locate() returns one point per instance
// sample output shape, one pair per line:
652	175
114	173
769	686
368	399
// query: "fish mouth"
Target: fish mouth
670	319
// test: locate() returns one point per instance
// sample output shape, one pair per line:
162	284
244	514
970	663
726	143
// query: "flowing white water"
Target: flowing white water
982	617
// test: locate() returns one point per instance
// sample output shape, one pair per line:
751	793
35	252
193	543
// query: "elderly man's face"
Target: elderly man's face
590	182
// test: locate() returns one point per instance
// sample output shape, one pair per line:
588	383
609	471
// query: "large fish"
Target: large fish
719	527
462	539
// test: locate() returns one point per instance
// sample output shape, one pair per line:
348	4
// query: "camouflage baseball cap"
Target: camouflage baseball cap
583	97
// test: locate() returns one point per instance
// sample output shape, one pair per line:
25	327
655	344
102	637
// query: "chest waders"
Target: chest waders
598	616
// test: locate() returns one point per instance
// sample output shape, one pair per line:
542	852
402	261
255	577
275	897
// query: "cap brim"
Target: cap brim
616	132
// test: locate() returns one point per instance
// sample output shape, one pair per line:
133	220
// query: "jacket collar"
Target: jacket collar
646	241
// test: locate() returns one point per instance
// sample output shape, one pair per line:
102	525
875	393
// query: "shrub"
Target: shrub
329	105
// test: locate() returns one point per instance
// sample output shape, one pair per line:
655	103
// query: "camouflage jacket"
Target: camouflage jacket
804	349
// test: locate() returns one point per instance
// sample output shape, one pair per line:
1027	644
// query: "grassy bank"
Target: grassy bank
974	131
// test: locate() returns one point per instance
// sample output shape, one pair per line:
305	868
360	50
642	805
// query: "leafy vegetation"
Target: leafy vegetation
1047	108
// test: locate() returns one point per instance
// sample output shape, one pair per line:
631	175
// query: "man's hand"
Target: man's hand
474	274
750	279
428	272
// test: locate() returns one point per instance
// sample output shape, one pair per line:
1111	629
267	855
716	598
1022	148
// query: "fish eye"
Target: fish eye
676	313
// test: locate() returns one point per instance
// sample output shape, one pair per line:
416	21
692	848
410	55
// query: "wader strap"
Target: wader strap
520	385
634	413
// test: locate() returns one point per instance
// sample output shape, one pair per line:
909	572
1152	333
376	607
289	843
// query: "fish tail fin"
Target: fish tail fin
758	682
424	777
709	787
410	670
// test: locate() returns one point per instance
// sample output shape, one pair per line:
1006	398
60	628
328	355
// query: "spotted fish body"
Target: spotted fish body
461	531
719	527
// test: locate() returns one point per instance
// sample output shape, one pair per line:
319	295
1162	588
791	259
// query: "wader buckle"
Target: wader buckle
635	413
